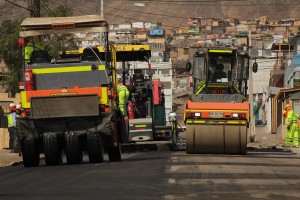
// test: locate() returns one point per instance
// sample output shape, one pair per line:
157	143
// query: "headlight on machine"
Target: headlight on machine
193	115
235	115
239	115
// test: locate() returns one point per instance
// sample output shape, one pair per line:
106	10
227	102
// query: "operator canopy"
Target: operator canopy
59	25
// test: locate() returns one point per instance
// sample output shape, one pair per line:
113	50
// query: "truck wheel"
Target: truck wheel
95	148
52	149
30	153
114	154
73	152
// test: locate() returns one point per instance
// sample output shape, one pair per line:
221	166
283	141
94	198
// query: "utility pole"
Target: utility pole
252	120
101	8
35	8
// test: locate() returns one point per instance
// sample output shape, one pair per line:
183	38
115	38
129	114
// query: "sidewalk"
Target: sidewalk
265	140
8	159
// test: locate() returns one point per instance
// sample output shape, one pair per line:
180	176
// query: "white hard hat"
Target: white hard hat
12	105
18	106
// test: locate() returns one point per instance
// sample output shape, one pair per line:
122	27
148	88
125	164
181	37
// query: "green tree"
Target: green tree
59	42
59	11
10	54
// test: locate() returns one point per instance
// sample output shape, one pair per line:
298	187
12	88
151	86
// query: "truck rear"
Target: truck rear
69	104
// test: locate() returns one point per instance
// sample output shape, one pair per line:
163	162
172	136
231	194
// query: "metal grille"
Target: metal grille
65	106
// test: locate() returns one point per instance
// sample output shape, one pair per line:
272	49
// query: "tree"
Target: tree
62	42
10	54
59	11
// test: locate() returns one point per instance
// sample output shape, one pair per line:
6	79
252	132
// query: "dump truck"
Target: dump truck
217	113
69	105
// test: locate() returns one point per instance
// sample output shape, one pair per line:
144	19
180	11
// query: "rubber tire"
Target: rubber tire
114	154
52	150
95	148
30	153
72	149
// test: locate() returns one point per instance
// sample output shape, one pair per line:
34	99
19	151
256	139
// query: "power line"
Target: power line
151	13
18	5
47	9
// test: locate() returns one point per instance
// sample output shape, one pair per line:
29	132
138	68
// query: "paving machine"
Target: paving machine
69	104
217	114
146	109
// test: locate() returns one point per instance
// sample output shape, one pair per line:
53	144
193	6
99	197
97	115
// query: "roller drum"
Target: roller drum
216	139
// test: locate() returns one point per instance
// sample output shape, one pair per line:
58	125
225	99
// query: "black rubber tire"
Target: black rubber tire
114	154
52	150
72	149
30	153
95	148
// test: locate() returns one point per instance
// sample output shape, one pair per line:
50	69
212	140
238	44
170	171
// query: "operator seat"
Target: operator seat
40	56
89	55
219	73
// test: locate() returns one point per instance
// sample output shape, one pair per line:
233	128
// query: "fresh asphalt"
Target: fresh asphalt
167	175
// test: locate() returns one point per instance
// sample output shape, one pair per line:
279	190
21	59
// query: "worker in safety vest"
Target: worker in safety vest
292	136
31	46
123	94
11	119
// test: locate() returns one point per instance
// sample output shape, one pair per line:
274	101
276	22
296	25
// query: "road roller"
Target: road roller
217	113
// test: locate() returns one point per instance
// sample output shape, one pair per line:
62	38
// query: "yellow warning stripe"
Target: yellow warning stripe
104	96
24	102
236	122
140	126
219	51
191	121
65	69
195	121
239	111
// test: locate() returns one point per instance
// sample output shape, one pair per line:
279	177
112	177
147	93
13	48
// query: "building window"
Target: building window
186	51
167	85
165	71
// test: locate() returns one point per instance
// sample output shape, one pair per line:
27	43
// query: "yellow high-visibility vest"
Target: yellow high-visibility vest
10	120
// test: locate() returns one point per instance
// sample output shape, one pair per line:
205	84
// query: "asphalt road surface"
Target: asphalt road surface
262	174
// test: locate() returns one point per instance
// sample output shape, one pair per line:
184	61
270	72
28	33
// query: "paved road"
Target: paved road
261	174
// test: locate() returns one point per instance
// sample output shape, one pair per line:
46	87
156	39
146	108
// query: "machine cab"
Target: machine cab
220	68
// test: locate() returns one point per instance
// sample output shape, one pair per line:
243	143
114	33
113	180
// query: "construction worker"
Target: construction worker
292	136
31	46
11	119
123	93
18	110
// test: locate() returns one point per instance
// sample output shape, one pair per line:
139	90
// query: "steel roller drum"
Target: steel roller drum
220	139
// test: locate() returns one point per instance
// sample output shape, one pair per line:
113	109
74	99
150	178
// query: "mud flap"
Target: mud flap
25	128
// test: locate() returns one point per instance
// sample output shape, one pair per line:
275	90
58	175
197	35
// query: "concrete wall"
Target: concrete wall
4	138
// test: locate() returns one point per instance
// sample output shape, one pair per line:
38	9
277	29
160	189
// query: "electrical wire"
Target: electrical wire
15	4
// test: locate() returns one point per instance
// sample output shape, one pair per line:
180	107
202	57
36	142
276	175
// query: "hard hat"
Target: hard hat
287	105
20	42
18	106
12	106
